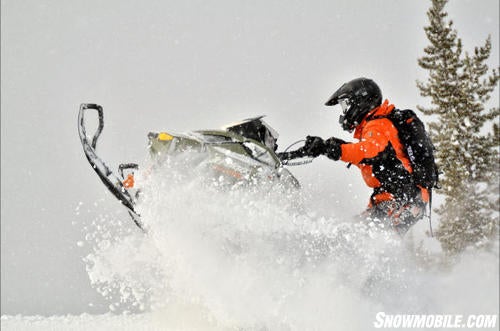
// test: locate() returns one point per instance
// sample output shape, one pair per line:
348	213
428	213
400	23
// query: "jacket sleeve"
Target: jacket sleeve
374	140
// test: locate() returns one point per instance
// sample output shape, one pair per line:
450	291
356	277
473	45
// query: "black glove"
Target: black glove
314	146
333	149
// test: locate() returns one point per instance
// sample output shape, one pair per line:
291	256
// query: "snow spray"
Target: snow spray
254	257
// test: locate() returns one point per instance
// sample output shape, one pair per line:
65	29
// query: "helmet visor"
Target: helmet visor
345	104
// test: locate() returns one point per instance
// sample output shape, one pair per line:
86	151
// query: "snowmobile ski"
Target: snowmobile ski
112	182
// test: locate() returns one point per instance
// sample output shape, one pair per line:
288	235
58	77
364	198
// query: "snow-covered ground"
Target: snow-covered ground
82	322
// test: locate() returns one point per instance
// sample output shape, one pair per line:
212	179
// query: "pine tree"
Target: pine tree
459	85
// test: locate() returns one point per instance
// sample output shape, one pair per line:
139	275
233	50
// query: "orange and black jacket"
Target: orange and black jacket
382	159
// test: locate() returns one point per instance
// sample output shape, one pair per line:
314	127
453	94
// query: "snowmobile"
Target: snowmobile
240	154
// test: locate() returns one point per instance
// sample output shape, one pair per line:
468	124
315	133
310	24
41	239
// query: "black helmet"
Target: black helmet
357	98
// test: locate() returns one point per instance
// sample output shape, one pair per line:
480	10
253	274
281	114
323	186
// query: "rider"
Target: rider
379	154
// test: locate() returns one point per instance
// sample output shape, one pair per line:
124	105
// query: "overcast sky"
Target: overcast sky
175	65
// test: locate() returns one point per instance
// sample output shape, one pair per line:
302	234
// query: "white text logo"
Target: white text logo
438	321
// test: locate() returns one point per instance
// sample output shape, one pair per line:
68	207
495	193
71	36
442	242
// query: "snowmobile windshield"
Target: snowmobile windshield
256	129
271	136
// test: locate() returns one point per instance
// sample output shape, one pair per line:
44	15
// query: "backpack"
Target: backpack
417	144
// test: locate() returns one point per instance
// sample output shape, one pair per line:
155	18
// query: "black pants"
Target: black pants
398	215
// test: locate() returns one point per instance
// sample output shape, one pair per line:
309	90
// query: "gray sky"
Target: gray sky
175	65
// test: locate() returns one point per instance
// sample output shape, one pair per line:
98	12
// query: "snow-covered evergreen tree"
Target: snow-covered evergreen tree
459	85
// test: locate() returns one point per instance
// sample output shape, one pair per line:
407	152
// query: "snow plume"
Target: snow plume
254	258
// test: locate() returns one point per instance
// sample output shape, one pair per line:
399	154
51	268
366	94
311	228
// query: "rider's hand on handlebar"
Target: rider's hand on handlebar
314	146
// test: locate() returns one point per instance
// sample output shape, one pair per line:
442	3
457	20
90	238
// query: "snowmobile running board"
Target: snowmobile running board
110	180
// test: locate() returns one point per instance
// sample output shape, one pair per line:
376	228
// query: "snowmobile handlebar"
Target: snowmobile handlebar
286	156
298	153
